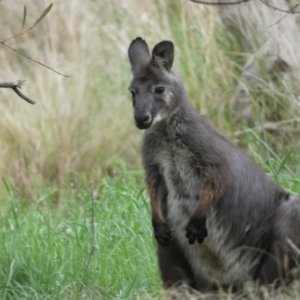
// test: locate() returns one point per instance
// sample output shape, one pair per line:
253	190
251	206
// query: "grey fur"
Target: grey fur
250	221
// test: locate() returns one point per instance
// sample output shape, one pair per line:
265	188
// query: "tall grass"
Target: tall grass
81	123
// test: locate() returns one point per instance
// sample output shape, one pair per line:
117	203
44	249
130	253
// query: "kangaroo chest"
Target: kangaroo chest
216	259
178	166
183	181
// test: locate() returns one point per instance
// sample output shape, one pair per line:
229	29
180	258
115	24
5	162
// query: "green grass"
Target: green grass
44	251
44	248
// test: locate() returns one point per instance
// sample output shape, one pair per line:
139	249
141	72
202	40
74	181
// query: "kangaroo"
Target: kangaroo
218	219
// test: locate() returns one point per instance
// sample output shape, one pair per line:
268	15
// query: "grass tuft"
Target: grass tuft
44	252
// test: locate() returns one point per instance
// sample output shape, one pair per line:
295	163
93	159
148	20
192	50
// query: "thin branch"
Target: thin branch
15	86
93	247
13	49
219	3
279	20
291	11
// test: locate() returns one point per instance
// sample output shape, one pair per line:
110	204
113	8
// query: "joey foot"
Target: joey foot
162	232
196	229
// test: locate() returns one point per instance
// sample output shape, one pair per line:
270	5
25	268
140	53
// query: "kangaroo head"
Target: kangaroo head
154	83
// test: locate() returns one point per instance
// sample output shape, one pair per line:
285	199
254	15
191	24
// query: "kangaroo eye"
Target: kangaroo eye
159	90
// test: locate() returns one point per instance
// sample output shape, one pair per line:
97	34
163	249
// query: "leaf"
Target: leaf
43	15
24	16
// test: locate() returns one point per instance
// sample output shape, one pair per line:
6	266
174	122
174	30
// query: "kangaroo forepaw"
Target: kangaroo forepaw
196	230
162	233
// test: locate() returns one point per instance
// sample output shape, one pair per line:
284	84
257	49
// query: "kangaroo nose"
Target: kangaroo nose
143	121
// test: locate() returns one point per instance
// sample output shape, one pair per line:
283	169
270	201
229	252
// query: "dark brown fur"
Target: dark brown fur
217	217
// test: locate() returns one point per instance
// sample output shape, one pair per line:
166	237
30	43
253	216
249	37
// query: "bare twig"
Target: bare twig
291	11
219	3
15	86
279	20
93	247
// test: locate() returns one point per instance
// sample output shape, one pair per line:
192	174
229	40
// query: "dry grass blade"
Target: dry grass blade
15	50
46	11
43	15
24	16
93	247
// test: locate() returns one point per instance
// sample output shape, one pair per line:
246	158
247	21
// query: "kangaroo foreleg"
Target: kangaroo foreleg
162	232
212	189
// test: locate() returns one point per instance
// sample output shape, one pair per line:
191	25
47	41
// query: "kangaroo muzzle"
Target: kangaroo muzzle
143	121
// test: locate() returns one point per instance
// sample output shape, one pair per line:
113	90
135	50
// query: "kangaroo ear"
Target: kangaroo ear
138	53
163	55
